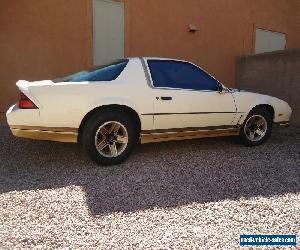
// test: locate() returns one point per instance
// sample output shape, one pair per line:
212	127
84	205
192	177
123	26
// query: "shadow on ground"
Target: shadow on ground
157	175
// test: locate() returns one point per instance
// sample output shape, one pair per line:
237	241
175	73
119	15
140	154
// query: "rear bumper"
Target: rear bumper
15	115
22	123
46	133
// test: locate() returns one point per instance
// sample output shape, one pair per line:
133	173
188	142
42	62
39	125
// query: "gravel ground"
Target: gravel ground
199	194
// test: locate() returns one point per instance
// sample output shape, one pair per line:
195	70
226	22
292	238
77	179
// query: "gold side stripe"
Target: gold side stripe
71	134
44	133
52	129
190	129
176	136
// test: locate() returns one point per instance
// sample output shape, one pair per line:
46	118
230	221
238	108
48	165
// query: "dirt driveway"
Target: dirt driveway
199	194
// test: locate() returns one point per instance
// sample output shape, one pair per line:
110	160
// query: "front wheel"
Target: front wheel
257	127
109	137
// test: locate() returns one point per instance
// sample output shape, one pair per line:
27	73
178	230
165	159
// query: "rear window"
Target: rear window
107	72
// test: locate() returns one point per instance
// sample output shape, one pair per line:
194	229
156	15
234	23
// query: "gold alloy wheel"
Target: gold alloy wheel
111	139
256	128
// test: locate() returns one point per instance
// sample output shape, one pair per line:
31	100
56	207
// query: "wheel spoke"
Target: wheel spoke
102	144
251	135
114	127
104	131
113	149
260	123
259	132
122	139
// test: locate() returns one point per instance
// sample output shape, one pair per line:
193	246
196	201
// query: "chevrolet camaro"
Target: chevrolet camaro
111	108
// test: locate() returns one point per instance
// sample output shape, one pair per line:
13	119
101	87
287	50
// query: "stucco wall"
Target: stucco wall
41	40
49	38
276	74
225	29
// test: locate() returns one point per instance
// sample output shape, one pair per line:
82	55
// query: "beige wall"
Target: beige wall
49	38
276	73
225	29
41	40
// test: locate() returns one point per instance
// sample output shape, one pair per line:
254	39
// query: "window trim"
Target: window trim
150	80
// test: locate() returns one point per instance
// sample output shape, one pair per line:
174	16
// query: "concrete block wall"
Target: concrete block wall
276	74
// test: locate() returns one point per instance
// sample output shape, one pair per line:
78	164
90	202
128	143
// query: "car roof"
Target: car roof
171	59
156	58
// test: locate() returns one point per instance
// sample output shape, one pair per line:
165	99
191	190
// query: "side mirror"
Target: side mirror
220	88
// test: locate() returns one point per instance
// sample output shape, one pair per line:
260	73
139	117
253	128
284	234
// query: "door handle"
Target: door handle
166	98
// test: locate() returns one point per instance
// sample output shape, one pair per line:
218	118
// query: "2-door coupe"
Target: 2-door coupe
109	109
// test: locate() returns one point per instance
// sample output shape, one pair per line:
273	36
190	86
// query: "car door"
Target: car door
188	97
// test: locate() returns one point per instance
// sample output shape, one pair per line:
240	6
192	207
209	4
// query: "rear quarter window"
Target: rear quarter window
101	73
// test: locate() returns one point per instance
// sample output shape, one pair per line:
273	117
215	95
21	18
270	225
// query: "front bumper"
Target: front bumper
281	124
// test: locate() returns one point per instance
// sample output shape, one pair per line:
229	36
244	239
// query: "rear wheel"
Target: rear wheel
109	137
257	127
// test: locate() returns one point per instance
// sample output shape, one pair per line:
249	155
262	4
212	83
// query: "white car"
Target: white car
109	109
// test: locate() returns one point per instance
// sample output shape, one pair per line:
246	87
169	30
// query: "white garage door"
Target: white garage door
108	23
267	41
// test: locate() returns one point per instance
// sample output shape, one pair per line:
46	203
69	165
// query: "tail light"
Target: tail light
26	103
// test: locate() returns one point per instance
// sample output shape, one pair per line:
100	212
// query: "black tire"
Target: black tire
98	120
256	113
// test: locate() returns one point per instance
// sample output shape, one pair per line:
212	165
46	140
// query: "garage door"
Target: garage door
108	29
267	41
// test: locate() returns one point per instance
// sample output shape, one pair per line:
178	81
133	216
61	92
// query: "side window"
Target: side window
102	73
173	74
